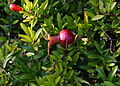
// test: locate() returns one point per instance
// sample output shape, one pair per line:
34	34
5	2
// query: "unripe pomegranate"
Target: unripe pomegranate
65	38
15	7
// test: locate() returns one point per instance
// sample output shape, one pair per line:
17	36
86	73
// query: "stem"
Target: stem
53	40
10	27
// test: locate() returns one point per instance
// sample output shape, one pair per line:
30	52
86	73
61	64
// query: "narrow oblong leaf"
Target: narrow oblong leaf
16	21
27	76
101	6
8	57
101	73
75	58
112	73
70	74
25	38
5	21
107	83
25	29
37	34
44	5
35	3
98	47
59	20
113	5
57	80
97	17
31	32
4	28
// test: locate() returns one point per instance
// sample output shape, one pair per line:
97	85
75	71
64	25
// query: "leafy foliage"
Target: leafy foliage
92	60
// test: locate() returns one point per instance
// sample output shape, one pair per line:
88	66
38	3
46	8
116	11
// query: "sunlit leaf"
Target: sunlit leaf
97	17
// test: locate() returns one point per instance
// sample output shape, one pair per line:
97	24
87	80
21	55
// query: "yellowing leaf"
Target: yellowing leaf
97	17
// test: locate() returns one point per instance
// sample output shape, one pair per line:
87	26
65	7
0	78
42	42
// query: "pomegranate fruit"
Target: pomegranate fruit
15	7
64	38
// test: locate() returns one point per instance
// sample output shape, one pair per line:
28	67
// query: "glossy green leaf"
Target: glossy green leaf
83	81
55	3
44	5
31	32
101	73
101	6
97	17
35	3
15	22
27	76
25	38
7	58
75	58
59	21
70	74
25	29
5	21
57	80
107	83
4	28
98	46
112	73
113	5
37	34
94	2
3	38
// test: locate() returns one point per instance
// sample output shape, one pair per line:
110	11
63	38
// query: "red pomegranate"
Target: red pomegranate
65	38
15	7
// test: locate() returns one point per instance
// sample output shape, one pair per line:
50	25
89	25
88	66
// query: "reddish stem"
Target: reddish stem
53	40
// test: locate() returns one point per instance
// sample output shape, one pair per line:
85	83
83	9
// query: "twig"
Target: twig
109	39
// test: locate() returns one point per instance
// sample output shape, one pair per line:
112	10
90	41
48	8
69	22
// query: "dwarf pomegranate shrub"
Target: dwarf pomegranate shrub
91	59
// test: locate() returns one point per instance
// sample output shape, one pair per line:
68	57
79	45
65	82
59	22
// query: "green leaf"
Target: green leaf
57	80
112	73
107	83
25	29
83	81
37	34
25	38
5	21
97	17
70	74
113	5
101	73
70	20
27	2
98	46
32	84
27	76
59	21
75	58
31	32
60	67
94	2
3	39
55	3
7	58
4	28
15	22
101	6
44	5
35	3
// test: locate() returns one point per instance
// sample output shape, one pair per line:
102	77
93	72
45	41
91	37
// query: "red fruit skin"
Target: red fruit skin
66	37
15	7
